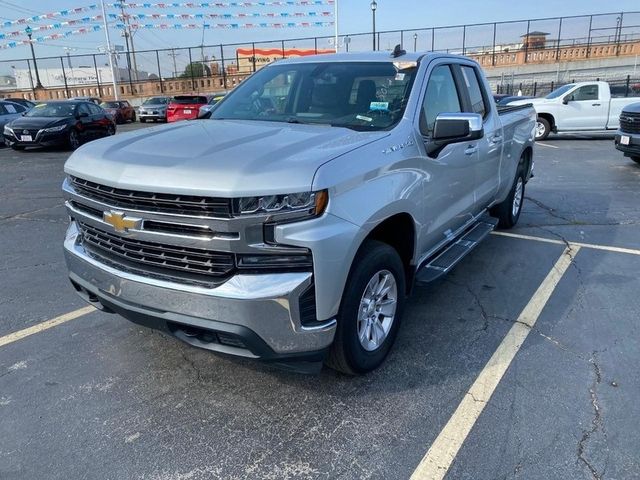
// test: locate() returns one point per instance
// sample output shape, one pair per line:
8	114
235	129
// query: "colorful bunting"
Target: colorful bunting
46	16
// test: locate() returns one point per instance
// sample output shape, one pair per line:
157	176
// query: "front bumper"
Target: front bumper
633	149
40	140
254	316
152	116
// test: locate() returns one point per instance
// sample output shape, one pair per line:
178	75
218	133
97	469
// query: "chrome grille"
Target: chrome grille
154	202
630	122
170	262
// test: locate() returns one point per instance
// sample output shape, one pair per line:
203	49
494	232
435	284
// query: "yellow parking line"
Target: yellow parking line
20	334
594	246
438	459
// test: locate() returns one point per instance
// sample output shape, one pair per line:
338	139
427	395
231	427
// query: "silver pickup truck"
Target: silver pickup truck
292	225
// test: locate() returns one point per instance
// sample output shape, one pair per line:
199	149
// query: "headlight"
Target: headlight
306	203
59	128
8	130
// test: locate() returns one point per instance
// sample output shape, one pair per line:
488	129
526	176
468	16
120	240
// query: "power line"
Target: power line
18	7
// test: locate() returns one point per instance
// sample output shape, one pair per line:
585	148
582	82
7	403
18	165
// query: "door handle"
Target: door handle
471	149
595	104
496	139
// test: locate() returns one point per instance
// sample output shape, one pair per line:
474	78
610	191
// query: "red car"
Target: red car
121	111
185	107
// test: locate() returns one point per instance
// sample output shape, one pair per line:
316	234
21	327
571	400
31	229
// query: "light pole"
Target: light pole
374	7
415	42
29	32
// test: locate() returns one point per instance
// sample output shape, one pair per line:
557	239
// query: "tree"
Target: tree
196	69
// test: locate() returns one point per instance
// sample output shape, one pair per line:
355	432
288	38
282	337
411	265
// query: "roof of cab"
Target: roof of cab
363	57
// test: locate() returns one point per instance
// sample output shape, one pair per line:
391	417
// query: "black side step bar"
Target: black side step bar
444	261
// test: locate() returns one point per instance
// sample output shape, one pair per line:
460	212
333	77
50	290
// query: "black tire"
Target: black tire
506	212
143	120
543	128
118	119
347	354
111	130
18	148
636	159
74	139
133	117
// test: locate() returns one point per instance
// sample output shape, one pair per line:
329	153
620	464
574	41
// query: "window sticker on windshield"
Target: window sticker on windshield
399	77
363	118
379	106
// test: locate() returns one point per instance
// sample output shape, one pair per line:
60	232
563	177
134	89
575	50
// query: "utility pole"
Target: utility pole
113	71
128	36
175	68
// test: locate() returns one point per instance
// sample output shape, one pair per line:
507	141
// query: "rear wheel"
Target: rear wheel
111	130
74	139
143	120
371	310
508	212
636	159
543	128
133	117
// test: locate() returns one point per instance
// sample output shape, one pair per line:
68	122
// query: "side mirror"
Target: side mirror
567	99
454	128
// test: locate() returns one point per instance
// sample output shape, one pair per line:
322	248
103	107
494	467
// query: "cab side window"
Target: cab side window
478	104
587	92
441	97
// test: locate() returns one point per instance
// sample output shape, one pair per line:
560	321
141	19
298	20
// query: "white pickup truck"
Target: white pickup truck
578	107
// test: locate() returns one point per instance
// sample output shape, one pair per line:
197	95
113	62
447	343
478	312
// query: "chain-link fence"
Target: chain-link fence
209	68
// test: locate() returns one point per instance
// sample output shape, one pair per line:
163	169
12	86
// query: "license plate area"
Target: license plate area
26	138
624	140
187	111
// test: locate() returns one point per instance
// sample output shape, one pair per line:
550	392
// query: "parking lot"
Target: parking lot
522	363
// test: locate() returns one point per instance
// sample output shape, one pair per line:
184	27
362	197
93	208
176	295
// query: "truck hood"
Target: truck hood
227	158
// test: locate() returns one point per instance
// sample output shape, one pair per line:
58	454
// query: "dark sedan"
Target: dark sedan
68	123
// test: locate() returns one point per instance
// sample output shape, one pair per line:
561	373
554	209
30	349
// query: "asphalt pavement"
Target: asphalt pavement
100	398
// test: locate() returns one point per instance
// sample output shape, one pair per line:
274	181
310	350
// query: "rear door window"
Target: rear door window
478	103
441	96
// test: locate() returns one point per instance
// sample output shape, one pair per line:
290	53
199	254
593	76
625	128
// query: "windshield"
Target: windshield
156	101
110	105
560	91
52	110
356	95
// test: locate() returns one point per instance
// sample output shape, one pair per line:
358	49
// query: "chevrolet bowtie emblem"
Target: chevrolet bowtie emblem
120	222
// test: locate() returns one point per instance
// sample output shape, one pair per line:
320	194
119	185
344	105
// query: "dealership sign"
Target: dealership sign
248	57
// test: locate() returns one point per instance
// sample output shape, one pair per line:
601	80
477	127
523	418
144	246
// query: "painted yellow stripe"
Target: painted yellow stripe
594	246
54	322
438	459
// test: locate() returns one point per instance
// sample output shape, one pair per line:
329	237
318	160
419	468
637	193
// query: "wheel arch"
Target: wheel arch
549	118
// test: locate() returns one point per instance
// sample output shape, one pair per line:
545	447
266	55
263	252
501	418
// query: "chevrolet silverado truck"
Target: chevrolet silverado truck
579	107
627	138
292	225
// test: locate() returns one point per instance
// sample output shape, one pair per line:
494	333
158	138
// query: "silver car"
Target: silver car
154	109
9	111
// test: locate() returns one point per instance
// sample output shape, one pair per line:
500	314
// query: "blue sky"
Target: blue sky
355	16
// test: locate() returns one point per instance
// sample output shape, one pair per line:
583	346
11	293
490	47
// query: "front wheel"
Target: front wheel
133	117
371	310
508	212
636	159
543	128
143	120
74	139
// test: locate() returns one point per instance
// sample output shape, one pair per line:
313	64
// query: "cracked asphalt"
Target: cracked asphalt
101	398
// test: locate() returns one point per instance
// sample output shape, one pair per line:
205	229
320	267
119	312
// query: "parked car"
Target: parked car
185	107
121	111
503	99
154	108
27	104
205	110
577	107
64	122
95	100
9	111
627	138
292	231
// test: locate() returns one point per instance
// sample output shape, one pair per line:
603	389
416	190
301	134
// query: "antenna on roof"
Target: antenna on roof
398	51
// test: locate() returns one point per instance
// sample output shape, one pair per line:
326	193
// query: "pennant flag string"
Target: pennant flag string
53	26
222	16
53	36
46	16
209	26
274	3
